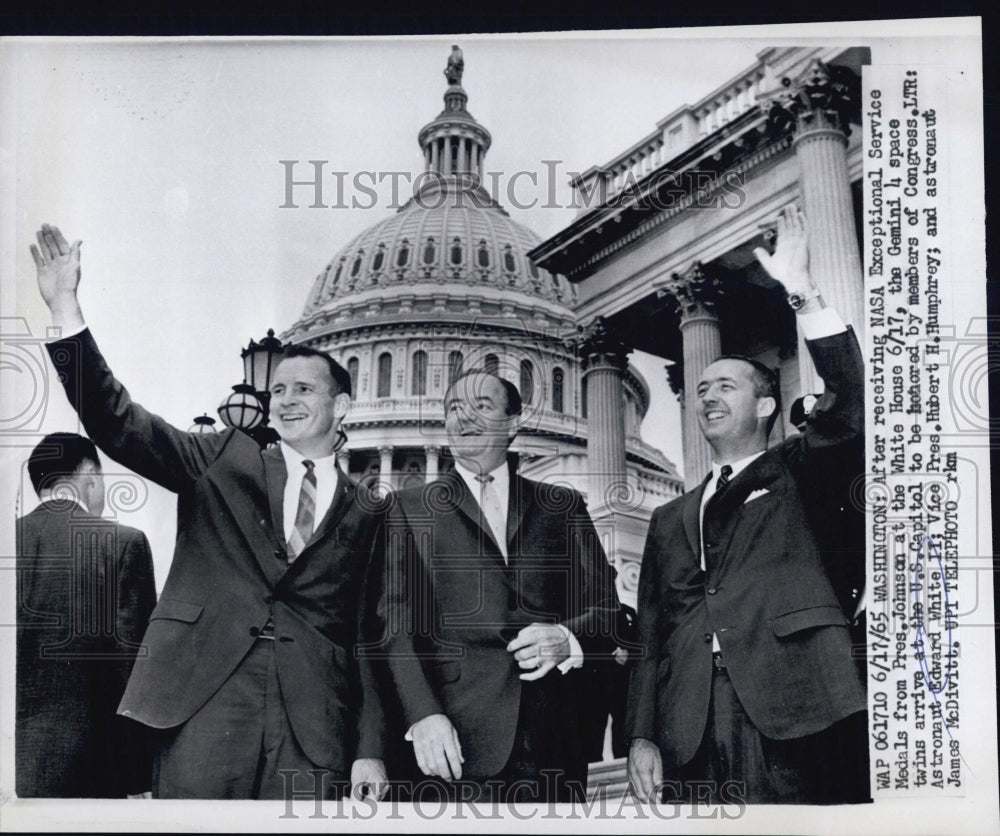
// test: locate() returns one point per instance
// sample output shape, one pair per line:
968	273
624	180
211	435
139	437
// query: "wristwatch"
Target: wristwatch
797	301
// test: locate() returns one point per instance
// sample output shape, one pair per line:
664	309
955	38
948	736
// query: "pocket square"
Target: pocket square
756	495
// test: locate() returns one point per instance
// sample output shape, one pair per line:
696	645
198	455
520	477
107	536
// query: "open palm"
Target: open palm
58	264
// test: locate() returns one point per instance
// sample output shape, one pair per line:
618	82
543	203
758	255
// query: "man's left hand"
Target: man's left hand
368	777
539	648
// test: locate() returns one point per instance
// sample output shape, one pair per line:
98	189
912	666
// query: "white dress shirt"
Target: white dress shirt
326	486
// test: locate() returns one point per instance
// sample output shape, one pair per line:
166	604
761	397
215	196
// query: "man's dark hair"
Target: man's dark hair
340	375
59	456
513	406
765	384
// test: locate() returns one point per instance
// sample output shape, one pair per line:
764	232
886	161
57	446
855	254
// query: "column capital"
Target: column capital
600	344
386	450
675	379
695	292
432	450
824	98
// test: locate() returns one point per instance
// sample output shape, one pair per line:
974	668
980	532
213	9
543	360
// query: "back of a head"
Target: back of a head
59	456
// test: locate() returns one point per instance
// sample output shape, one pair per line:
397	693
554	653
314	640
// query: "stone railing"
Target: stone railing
675	133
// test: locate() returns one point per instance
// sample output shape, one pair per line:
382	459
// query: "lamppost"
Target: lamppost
246	408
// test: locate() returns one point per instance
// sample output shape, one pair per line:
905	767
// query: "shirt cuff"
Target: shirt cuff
409	734
66	333
822	323
575	658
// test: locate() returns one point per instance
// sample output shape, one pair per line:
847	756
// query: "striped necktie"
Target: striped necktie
306	515
724	474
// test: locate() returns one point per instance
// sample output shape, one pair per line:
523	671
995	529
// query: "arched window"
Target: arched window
356	267
527	382
352	370
484	254
455	361
384	375
583	398
379	258
508	260
456	251
336	276
557	390
418	380
430	251
492	363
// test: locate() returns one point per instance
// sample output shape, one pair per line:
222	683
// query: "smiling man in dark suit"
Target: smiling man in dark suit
84	594
251	670
497	588
747	689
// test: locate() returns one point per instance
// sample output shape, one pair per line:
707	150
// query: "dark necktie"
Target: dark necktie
306	515
724	474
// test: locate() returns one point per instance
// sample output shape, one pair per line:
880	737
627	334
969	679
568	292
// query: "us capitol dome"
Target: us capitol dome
445	285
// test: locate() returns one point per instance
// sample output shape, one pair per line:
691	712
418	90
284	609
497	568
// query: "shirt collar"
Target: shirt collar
58	496
500	474
293	460
737	466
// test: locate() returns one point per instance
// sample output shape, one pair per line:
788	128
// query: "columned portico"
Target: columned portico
695	293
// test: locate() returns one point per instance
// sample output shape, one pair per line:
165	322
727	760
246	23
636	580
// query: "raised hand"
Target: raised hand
58	265
790	262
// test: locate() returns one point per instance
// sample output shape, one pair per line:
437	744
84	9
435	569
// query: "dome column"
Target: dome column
385	469
433	455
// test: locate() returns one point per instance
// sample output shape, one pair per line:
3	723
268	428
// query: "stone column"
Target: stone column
604	356
695	293
433	455
435	149
817	110
385	469
446	149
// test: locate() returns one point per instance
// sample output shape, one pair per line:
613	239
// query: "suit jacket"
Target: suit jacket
84	594
450	606
229	573
766	595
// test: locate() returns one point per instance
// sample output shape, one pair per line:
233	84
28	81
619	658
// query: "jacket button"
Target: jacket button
708	638
711	590
255	631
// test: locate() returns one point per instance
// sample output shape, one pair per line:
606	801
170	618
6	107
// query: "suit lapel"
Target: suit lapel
761	473
468	506
692	512
517	504
275	476
343	496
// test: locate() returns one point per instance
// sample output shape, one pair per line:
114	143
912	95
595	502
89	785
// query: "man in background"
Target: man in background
84	595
